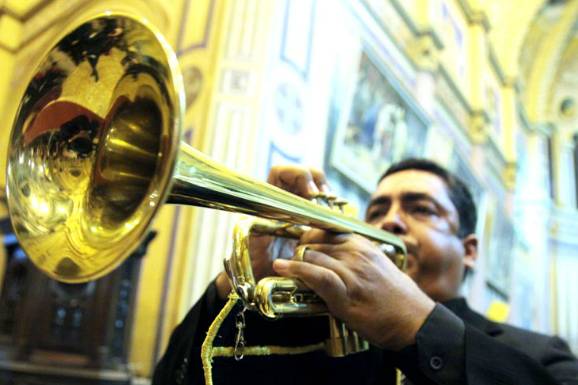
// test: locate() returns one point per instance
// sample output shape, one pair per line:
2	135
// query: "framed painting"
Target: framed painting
381	124
500	253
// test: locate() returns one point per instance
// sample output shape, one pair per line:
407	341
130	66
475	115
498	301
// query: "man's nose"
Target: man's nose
394	223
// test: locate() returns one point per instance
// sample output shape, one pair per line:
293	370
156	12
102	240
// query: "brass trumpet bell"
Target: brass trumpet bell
94	152
93	147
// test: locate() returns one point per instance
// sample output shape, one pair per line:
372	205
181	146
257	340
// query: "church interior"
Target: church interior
486	88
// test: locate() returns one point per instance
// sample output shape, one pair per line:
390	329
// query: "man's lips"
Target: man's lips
410	246
411	260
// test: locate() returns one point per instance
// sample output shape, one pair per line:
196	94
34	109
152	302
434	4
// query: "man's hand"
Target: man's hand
361	286
301	181
304	182
264	249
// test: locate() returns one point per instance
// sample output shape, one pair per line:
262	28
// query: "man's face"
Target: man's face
415	206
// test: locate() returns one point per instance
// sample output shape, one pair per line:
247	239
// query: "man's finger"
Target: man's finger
322	236
320	258
320	180
325	282
294	179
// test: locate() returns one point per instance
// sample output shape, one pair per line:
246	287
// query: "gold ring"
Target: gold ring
300	252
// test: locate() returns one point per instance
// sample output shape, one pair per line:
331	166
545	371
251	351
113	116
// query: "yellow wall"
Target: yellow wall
10	31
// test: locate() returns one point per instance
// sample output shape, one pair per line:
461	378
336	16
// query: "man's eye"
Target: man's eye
423	210
373	215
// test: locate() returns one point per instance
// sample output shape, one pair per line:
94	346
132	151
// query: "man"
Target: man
401	314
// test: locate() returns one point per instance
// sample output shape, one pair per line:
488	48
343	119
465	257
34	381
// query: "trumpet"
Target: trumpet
95	152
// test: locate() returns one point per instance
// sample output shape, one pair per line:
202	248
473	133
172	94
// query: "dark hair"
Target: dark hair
459	194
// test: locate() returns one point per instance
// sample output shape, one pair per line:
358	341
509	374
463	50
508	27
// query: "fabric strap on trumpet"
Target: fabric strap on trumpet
286	351
208	351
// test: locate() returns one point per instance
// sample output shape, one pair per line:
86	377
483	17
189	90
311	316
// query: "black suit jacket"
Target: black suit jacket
536	350
461	346
454	346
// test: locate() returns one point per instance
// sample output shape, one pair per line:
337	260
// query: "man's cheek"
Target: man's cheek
431	261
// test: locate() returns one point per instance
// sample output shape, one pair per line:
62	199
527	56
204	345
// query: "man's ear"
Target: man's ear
470	251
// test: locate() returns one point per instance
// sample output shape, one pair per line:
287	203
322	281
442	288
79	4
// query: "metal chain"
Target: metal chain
240	339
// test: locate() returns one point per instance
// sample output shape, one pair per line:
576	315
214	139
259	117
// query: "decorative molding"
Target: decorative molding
414	28
443	117
423	49
514	83
509	175
10	50
207	32
275	152
496	154
497	67
300	65
544	128
7	42
496	165
551	31
478	126
505	80
168	274
230	121
411	25
194	80
475	16
31	12
459	94
438	43
424	52
288	103
391	57
452	98
523	116
241	42
563	224
235	81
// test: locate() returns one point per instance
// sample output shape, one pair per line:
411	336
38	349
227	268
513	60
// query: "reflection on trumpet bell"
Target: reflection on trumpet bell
125	162
93	147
